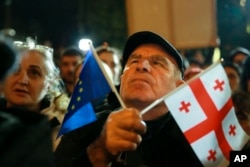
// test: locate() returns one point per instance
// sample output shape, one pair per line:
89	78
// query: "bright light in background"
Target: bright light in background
84	44
242	3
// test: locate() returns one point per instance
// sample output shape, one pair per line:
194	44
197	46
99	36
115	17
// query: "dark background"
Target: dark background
64	22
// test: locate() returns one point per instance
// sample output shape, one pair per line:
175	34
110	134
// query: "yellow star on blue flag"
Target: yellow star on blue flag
91	85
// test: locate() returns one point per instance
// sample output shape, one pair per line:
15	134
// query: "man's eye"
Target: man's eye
158	62
133	61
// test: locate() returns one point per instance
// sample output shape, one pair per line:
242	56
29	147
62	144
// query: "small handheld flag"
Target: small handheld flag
204	111
93	83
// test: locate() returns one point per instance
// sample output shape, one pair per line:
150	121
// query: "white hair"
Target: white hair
53	74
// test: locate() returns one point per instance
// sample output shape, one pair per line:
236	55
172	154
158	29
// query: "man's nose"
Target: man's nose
143	65
71	68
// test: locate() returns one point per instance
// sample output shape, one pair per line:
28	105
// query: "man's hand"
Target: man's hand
121	132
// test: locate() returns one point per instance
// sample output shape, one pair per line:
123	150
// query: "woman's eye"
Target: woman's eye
34	73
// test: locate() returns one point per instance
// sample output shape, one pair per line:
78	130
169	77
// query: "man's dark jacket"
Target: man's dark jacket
163	145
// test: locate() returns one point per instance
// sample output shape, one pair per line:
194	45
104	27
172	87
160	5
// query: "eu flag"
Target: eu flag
91	85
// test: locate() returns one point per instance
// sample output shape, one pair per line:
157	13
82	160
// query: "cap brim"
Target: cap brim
145	37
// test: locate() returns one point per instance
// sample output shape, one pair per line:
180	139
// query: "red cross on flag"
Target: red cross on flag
204	111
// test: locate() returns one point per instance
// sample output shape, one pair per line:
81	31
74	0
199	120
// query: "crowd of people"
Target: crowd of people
236	66
36	92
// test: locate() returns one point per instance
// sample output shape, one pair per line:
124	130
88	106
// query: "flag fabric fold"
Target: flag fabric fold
91	85
204	111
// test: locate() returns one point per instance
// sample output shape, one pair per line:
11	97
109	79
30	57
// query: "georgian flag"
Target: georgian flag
204	111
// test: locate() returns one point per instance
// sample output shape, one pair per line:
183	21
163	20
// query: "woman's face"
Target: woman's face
26	87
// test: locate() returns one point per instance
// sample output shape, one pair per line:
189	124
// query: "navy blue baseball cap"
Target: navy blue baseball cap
146	37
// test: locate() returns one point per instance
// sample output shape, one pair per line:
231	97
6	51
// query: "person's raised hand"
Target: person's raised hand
121	132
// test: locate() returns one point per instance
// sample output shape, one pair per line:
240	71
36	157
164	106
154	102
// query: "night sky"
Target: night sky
64	22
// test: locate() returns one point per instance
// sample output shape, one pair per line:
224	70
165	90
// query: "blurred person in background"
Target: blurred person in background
195	57
241	101
245	76
112	58
77	72
233	73
35	86
191	71
238	56
25	138
9	58
68	61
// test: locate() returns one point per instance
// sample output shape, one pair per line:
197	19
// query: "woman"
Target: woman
35	86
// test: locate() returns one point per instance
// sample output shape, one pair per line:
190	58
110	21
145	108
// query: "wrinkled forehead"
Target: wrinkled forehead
33	55
33	58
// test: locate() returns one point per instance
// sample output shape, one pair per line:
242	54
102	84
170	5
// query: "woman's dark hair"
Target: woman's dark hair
8	55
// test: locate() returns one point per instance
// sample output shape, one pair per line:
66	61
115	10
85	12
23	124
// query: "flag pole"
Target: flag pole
111	84
152	105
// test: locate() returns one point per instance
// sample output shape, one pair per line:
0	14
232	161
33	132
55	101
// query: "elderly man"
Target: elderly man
151	68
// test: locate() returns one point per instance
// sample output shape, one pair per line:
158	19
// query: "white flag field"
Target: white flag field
204	111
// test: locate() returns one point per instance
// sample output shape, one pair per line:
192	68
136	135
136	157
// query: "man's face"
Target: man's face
233	77
149	74
108	58
67	67
239	59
